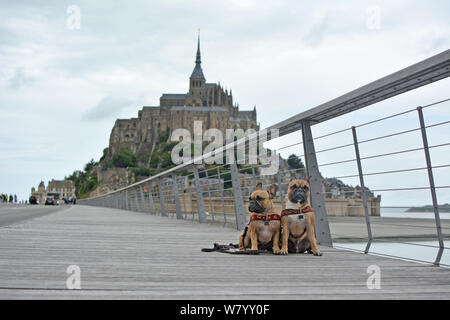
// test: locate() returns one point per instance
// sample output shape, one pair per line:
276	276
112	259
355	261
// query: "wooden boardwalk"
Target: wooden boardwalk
129	255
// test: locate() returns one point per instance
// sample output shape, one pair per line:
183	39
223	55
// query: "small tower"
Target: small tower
41	187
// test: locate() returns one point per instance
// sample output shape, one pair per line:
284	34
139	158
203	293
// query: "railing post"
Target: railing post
126	200
136	203
254	177
437	217
280	188
177	198
221	197
363	188
191	200
150	198
161	199
322	228
241	220
199	194
141	191
183	195
211	208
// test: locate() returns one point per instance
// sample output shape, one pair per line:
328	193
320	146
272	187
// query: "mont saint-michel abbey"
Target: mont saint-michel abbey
206	102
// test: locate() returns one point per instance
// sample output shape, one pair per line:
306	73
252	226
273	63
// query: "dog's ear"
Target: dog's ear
259	186
272	190
292	178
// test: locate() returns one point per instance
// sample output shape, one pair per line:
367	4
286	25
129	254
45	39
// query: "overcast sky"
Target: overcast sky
61	89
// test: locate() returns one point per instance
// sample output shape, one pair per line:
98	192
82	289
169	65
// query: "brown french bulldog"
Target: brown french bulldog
297	220
263	230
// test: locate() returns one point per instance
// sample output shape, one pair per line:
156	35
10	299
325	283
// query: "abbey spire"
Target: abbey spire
198	59
198	72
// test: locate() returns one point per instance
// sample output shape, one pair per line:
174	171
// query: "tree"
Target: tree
295	162
89	165
105	152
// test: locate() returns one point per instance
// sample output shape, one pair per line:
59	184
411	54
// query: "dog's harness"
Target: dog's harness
289	212
269	217
266	218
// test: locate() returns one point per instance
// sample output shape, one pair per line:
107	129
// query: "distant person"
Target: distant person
15	198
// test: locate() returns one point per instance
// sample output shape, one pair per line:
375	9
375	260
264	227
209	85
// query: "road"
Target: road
11	214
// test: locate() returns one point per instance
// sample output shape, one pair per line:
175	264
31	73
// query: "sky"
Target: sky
62	87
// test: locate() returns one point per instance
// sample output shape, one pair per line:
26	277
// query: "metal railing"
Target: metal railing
217	193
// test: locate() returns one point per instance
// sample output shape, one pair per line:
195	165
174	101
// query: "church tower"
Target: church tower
197	80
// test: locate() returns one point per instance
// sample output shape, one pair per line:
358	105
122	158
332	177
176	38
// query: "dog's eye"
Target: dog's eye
294	187
259	198
305	188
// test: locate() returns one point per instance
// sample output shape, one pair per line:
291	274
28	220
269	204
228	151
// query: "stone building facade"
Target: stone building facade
40	193
63	188
206	102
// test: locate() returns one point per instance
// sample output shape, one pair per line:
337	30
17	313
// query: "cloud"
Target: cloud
108	108
20	79
283	56
317	33
434	38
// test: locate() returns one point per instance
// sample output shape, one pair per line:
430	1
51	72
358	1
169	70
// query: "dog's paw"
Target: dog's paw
283	252
317	254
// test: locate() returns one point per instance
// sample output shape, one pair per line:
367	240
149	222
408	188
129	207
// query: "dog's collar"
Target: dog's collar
263	218
288	212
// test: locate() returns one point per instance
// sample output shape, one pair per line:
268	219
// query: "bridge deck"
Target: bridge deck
133	255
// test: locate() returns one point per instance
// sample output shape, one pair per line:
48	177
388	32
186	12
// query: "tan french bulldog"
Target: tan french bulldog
263	230
297	220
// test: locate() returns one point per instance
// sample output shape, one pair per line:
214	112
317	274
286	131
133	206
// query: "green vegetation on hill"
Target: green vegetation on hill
124	158
295	162
143	165
85	180
146	165
160	158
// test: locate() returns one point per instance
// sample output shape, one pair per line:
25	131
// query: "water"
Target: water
400	213
409	249
402	250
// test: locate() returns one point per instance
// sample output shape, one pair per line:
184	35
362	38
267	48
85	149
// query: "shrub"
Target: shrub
124	158
294	162
154	160
143	171
105	152
89	165
166	162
